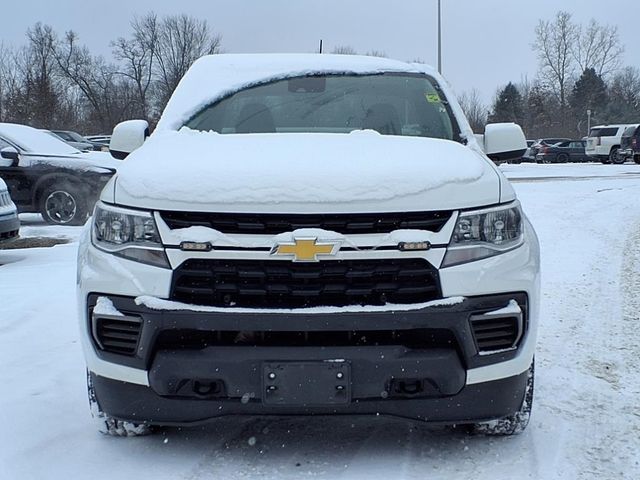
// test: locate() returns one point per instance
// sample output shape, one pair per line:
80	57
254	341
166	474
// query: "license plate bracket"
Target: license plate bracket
306	383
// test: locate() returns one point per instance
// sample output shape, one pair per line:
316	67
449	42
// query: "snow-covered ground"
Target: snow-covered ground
586	420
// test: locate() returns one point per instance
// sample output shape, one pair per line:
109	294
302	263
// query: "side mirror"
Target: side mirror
9	153
504	141
127	137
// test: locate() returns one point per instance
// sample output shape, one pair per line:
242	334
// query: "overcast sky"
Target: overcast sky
486	43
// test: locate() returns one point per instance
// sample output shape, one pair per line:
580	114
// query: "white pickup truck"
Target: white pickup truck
310	235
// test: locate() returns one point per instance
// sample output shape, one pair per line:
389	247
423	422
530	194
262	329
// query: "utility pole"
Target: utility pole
440	36
320	46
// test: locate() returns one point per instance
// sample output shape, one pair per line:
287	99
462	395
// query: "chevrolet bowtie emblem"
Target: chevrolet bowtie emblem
305	249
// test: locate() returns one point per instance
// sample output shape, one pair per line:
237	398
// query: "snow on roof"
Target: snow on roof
215	76
35	141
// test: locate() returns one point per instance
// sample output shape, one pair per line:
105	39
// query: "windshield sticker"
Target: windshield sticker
433	98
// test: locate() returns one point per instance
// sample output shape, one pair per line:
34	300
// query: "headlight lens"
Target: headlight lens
484	233
126	233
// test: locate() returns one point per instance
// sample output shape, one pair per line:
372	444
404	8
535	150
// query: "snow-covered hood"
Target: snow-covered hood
76	161
301	172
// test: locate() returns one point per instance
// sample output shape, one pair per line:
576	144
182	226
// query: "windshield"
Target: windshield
31	140
76	137
391	104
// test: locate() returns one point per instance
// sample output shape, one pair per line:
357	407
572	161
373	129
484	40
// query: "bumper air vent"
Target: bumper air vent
117	334
498	330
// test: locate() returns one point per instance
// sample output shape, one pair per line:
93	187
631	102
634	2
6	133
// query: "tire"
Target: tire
562	158
636	158
512	424
108	425
63	203
615	158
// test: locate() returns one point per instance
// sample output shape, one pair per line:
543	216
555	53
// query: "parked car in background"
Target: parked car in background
528	157
630	144
604	142
563	152
75	140
100	140
45	175
542	142
9	221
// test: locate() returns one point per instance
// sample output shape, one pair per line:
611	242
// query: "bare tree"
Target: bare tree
474	109
555	43
598	47
626	86
376	53
181	40
35	100
344	50
110	100
137	56
7	78
349	50
624	95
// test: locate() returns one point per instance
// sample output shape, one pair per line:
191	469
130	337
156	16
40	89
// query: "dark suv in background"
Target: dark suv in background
630	144
45	175
541	143
563	152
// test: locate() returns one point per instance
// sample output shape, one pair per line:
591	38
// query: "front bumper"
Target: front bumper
9	226
474	403
196	373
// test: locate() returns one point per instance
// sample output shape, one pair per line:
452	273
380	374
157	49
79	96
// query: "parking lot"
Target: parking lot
585	422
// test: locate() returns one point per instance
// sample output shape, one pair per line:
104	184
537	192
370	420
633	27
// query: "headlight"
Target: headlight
484	233
126	233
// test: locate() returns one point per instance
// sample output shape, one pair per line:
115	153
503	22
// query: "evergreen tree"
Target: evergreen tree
589	93
543	111
508	106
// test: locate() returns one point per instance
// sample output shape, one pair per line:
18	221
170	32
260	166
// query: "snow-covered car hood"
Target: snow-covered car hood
301	172
76	161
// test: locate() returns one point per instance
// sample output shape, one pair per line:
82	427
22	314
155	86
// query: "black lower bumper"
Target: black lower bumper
9	228
405	363
474	403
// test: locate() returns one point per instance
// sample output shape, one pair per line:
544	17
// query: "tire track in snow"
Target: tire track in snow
207	467
386	453
621	445
614	454
609	407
